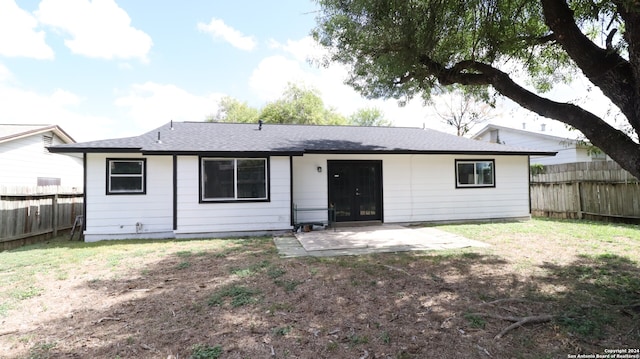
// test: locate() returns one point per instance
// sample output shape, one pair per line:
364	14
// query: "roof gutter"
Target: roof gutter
435	152
61	149
56	149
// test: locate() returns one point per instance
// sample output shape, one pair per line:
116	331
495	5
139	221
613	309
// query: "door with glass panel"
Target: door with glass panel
355	190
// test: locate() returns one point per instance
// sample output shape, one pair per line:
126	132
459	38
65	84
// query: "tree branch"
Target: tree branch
606	69
518	321
609	41
629	13
616	144
532	40
526	320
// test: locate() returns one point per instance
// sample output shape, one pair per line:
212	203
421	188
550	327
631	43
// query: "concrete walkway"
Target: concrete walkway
373	239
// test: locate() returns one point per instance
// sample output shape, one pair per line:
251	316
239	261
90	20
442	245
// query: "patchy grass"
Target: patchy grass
282	331
205	351
238	296
250	270
288	285
385	337
181	299
183	265
21	268
41	351
276	272
584	236
475	321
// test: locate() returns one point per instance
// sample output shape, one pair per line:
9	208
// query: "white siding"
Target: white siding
310	187
425	190
211	217
567	151
25	159
416	188
421	188
116	216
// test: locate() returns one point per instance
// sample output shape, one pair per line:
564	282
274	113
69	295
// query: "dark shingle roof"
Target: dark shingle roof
210	137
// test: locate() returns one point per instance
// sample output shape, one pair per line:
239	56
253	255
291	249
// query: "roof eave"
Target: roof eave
222	153
53	128
57	149
524	132
436	152
62	149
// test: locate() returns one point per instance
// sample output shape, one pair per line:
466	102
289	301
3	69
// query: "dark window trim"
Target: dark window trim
248	200
493	161
144	177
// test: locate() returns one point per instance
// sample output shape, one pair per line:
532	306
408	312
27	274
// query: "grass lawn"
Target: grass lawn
573	286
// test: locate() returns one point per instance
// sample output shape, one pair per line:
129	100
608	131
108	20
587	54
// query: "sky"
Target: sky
106	69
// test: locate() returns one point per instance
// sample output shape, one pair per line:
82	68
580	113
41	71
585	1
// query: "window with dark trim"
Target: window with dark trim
475	173
233	179
126	176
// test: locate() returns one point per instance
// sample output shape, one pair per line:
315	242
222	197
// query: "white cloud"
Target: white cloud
28	107
304	49
125	66
151	105
219	30
5	74
18	37
271	76
98	28
65	98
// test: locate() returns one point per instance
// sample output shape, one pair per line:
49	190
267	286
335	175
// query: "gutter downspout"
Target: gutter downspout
529	180
291	190
84	193
175	193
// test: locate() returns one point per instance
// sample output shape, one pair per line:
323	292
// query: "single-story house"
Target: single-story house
568	149
26	165
198	179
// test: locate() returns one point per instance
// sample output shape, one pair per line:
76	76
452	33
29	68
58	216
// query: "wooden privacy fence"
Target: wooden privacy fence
27	218
594	190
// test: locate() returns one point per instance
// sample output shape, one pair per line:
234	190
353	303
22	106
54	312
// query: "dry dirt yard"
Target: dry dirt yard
574	287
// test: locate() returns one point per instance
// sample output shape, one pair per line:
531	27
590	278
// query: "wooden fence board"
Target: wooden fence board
597	189
25	215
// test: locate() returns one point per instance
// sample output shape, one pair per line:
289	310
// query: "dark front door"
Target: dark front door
355	190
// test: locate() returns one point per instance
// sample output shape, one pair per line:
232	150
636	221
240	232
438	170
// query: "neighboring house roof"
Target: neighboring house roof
558	139
13	132
212	137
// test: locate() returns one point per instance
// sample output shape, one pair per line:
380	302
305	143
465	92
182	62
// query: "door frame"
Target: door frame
380	201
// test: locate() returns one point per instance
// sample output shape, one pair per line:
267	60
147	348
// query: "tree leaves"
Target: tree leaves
297	105
403	49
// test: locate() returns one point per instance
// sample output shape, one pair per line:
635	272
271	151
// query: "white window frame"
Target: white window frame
142	176
235	197
477	175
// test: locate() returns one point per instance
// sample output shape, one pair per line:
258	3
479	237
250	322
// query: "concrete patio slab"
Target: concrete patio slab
373	239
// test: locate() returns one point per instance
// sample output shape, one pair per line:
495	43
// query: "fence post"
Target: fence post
54	214
579	195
